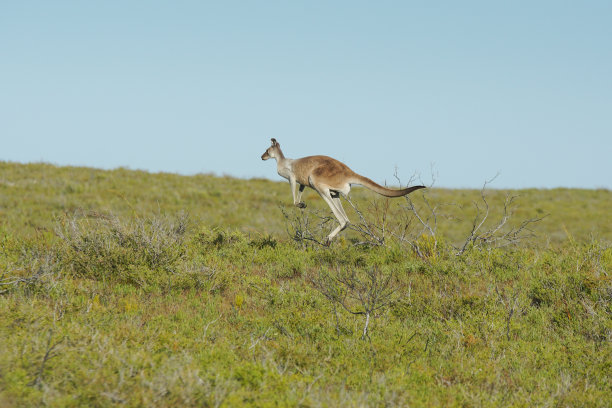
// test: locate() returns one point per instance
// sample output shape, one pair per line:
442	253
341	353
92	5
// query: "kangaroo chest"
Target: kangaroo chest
284	170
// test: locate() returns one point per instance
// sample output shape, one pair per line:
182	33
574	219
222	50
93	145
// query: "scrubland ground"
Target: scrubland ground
125	288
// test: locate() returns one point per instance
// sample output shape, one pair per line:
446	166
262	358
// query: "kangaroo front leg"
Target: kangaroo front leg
297	196
300	203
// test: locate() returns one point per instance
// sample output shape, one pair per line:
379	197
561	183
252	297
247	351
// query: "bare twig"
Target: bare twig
495	237
377	230
358	295
367	229
37	381
40	269
260	338
207	325
299	226
510	304
429	222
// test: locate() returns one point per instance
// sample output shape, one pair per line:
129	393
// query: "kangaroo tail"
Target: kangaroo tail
377	188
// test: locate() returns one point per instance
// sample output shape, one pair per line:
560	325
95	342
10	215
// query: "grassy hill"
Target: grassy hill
33	196
126	288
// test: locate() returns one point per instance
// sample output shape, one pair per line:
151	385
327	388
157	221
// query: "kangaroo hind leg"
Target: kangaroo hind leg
336	199
337	209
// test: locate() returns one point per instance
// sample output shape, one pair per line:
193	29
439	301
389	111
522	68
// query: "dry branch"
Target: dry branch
358	295
306	226
37	381
495	236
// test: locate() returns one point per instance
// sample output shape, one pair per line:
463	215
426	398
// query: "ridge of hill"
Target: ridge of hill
32	196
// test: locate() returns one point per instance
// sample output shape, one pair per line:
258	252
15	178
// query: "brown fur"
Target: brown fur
321	167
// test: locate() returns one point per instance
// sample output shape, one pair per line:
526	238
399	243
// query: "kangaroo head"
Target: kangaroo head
273	152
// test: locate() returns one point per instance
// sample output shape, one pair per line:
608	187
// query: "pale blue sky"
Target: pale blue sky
521	87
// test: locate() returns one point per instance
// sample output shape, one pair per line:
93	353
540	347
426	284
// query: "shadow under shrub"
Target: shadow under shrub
132	251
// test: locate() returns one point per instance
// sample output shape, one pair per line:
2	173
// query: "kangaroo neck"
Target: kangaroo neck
280	155
283	167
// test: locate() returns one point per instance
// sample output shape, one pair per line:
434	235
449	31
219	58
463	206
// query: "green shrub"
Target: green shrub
108	248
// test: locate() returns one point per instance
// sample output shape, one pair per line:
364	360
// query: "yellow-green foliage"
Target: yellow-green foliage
33	196
124	288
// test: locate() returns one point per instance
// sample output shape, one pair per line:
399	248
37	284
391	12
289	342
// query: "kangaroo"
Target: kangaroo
328	177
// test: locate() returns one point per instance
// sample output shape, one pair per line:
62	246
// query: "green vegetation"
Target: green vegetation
125	288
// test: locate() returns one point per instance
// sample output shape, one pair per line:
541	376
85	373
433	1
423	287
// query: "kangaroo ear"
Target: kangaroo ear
274	142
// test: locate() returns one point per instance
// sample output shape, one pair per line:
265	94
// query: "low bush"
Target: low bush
105	247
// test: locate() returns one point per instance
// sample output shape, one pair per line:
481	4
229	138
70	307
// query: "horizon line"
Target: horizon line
242	177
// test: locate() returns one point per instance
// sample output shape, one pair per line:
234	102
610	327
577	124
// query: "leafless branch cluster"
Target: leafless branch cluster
13	281
49	354
416	227
372	232
427	225
511	303
304	226
496	236
417	224
41	269
359	292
